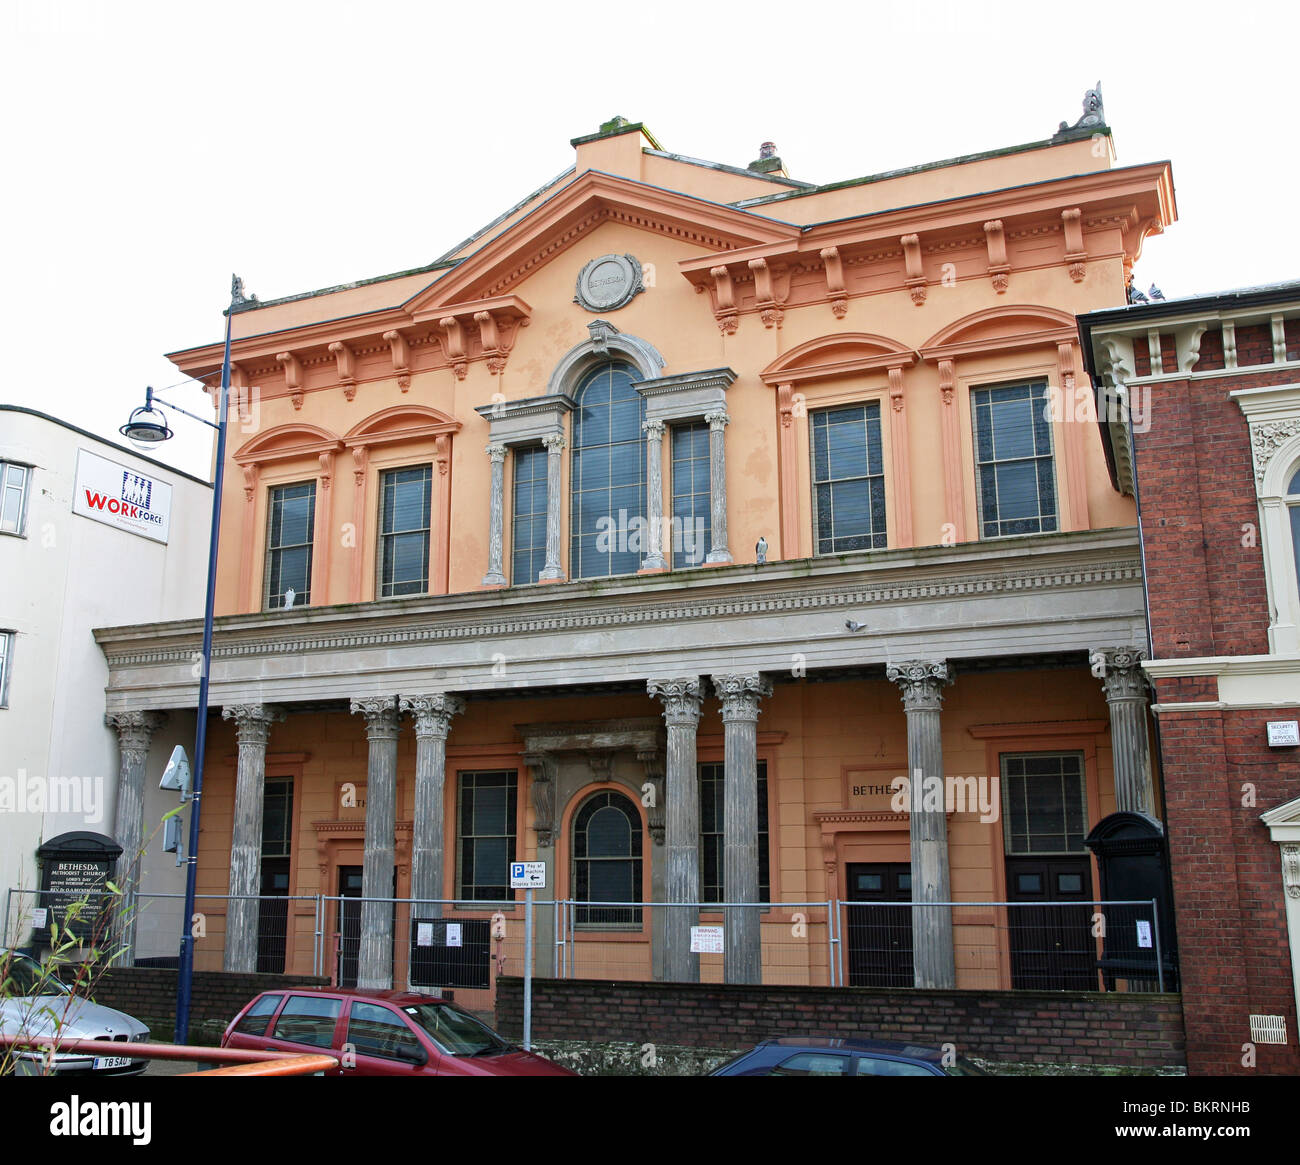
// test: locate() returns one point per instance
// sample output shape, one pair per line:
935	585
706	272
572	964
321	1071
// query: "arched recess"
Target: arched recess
994	332
606	343
263	455
590	799
1278	489
825	358
385	432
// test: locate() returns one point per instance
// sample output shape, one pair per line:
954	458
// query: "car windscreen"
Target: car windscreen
24	977
454	1031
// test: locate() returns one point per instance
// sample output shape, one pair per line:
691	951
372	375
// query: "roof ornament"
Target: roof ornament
237	296
1094	113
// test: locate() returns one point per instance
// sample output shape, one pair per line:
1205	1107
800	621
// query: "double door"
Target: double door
1052	947
878	933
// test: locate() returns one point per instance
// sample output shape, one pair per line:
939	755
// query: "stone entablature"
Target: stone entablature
1012	597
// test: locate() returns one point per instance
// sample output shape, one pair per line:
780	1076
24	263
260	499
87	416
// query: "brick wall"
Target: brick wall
149	993
1132	1031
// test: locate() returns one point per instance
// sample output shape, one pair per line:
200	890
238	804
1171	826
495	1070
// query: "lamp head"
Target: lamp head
146	425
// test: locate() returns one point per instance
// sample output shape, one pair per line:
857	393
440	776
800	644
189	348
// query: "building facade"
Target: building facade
652	533
1212	439
91	533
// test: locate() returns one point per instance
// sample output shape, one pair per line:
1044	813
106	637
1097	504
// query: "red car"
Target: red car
381	1033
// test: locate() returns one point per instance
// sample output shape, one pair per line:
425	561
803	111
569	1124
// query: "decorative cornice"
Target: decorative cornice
373	625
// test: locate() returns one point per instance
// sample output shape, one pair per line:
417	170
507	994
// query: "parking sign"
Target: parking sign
528	875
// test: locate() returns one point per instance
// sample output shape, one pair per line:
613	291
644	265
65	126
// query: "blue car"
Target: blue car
813	1056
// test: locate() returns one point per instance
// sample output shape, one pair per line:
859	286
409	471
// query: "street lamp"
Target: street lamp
148	426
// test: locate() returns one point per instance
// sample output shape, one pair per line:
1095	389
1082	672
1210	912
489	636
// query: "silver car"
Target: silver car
35	1002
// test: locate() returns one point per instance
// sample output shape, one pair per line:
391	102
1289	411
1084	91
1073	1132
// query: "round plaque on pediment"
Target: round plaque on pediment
608	283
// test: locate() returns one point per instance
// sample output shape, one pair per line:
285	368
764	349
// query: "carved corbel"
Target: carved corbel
401	358
326	475
455	335
1229	344
914	280
896	387
947	380
999	268
835	281
251	474
1155	352
1187	342
346	367
240	394
601	764
724	308
600	332
543	790
1065	368
442	452
768	309
653	762
360	455
1279	340
1076	257
292	377
785	404
491	341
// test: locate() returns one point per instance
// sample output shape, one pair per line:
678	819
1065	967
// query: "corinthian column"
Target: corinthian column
681	700
252	730
922	682
134	731
718	420
433	715
1125	685
495	577
552	571
654	494
375	956
740	694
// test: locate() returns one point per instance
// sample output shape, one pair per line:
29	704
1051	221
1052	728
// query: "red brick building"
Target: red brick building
1210	445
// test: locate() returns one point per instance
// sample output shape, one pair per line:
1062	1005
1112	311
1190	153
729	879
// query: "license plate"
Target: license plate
111	1062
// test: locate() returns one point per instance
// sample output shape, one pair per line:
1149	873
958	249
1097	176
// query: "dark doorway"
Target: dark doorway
880	936
273	917
348	923
1052	947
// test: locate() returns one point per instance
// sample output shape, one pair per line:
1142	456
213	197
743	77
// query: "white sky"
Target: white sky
154	148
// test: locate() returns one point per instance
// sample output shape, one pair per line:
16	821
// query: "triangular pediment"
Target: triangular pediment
572	214
1286	814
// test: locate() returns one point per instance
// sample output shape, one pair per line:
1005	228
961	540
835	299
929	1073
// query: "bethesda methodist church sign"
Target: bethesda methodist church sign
608	283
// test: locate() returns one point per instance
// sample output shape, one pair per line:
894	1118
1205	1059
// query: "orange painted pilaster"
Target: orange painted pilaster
954	500
1072	426
324	532
360	455
901	478
787	470
246	596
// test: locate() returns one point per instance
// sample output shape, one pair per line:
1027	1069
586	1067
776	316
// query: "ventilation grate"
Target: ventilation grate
1268	1029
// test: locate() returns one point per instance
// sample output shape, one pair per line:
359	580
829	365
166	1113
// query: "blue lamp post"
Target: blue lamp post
147	425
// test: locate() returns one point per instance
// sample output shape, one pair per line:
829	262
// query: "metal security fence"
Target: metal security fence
464	946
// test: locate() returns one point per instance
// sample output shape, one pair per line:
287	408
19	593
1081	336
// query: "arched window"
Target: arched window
607	861
607	515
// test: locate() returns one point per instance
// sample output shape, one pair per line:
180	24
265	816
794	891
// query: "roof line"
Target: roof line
255	304
8	408
960	160
731	169
502	217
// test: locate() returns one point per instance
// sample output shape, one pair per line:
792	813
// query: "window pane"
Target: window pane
692	528
1013	453
848	479
291	523
406	498
487	813
1044	803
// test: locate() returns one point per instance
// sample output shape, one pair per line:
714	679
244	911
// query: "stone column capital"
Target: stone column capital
433	712
740	694
554	442
1120	672
653	429
717	419
681	699
922	682
135	729
381	716
496	453
252	721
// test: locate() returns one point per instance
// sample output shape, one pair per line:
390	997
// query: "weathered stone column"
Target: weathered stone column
718	420
740	694
433	715
654	495
252	730
375	955
134	732
1125	685
495	576
681	700
552	571
922	682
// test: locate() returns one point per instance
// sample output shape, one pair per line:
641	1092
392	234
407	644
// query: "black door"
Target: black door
273	916
1052	947
880	936
348	924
